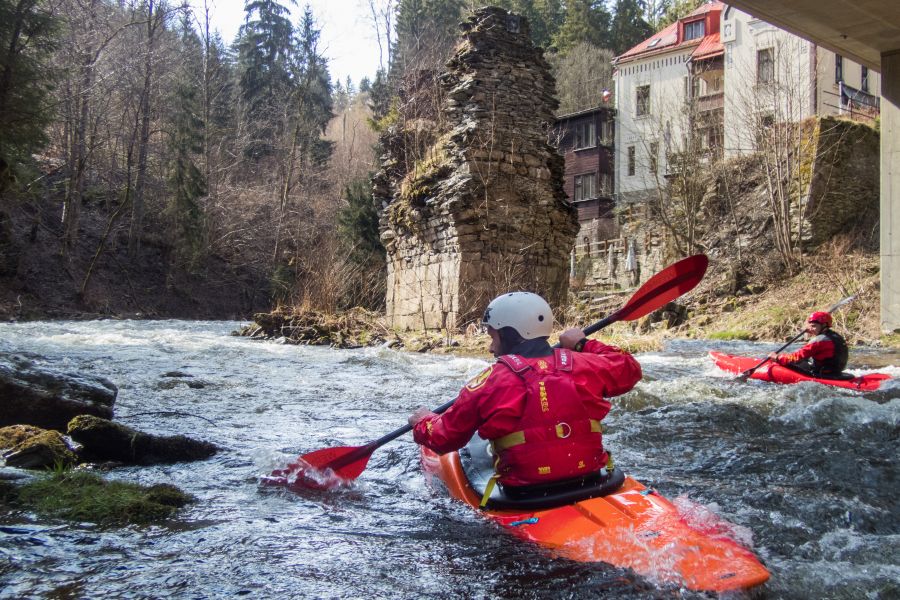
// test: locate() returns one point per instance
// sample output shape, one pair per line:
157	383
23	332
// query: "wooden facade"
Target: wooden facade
586	141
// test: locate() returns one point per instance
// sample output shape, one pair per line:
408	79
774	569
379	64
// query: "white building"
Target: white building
724	74
774	76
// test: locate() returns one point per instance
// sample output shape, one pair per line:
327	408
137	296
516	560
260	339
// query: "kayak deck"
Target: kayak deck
776	373
633	528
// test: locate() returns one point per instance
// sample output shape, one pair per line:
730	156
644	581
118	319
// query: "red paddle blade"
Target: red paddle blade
322	469
667	285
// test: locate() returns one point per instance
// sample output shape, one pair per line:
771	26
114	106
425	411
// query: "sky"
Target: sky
347	36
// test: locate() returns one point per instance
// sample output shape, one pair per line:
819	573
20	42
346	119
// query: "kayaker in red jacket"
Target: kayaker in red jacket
825	355
541	408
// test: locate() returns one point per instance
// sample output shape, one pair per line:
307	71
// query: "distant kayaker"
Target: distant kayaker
540	408
825	355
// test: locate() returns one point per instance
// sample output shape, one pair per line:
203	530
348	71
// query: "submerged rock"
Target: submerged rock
50	399
105	440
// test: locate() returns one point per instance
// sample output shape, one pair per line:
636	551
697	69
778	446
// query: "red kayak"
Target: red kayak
615	520
776	373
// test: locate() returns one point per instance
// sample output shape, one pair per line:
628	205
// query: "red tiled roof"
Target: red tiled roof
667	39
709	47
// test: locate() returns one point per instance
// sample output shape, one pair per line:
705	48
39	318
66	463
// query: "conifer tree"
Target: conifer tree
359	234
313	100
544	17
187	184
264	54
310	112
585	21
27	37
358	224
676	9
628	26
220	114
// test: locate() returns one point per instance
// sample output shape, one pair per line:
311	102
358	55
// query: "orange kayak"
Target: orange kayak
633	527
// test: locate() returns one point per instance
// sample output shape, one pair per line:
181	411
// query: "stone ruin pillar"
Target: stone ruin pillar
470	192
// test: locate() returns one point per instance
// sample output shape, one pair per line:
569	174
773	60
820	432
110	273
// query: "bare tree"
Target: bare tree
582	75
770	121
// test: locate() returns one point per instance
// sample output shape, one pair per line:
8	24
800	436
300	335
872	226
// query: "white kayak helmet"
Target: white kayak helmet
527	313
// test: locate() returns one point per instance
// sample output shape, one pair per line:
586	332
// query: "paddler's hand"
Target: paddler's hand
571	338
773	356
420	413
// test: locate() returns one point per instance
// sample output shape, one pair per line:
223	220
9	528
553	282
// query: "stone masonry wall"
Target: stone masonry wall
844	186
481	209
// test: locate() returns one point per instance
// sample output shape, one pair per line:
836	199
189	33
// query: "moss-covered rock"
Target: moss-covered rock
40	450
14	435
105	440
83	496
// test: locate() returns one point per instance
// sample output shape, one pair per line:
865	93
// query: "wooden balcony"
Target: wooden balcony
711	102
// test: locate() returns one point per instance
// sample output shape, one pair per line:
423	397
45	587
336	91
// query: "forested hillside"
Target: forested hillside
149	166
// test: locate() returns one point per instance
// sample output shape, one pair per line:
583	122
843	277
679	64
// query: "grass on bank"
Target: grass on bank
83	496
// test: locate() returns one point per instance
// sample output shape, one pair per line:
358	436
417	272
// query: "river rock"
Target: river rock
104	440
40	449
670	315
14	435
50	399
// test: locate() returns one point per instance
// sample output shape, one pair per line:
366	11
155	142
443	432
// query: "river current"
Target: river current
806	474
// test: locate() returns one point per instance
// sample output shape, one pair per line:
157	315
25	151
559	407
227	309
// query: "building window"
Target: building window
631	161
585	135
838	68
585	186
654	152
864	79
694	30
765	66
642	100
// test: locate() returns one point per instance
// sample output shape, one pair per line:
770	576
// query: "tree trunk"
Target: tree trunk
137	206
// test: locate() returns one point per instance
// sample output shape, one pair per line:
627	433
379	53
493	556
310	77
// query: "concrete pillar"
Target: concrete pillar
890	191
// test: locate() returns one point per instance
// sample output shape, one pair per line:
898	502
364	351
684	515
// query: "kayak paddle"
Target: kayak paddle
322	469
746	374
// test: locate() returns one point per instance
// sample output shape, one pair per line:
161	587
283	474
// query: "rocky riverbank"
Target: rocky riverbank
727	305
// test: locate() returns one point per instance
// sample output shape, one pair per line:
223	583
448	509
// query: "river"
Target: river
807	475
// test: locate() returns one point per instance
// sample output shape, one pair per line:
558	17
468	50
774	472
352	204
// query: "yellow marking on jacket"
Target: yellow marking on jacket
545	403
478	381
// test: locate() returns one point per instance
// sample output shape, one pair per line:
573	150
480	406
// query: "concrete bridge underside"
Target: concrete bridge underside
868	32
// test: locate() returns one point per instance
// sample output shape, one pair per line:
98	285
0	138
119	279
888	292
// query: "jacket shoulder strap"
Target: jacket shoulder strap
515	363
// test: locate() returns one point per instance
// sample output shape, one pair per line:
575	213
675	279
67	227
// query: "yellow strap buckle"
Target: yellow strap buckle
488	489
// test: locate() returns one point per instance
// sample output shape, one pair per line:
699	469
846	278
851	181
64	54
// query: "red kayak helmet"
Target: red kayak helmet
820	317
